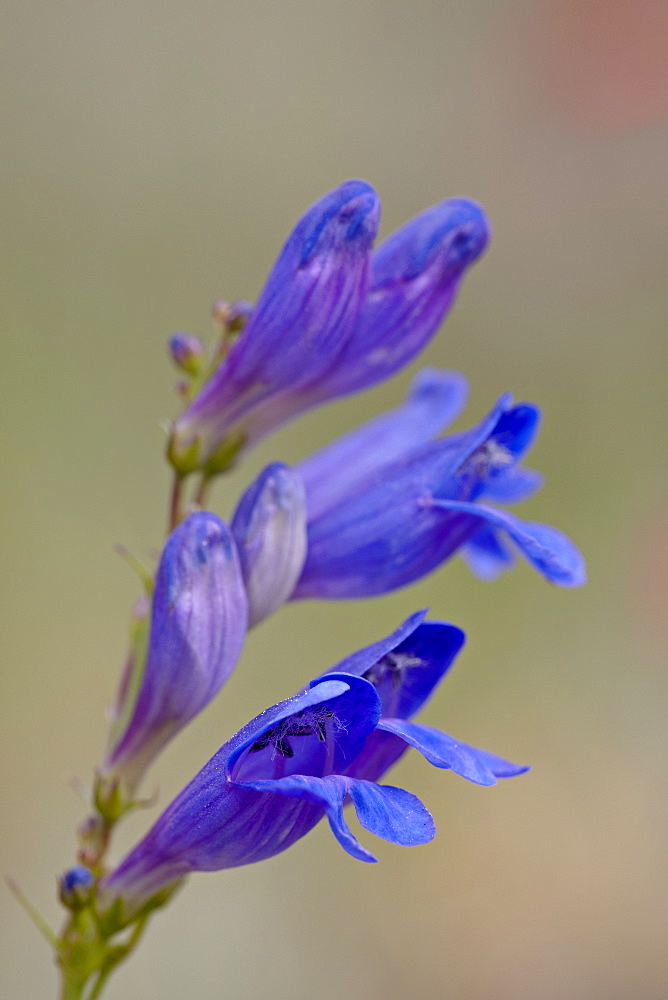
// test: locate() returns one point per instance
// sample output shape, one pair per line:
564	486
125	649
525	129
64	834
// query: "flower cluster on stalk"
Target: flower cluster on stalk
371	511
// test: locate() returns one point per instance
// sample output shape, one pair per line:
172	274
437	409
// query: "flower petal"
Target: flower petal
406	676
390	813
269	527
513	485
441	750
517	429
553	554
384	536
485	556
359	662
494	449
336	471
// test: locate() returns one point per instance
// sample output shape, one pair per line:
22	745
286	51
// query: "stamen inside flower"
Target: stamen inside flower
487	461
388	676
391	667
301	744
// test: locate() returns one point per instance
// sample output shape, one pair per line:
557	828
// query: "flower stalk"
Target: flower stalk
374	510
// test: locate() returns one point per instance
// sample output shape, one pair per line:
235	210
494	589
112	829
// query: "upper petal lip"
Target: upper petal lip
350	215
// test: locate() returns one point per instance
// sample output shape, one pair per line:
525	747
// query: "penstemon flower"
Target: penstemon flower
388	522
389	502
372	511
304	759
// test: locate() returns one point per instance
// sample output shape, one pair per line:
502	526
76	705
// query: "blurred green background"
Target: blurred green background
155	157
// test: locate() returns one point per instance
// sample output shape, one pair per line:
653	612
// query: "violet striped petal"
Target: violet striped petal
197	630
303	318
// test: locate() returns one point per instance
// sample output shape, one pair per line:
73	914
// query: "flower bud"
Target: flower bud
416	274
197	629
187	352
305	313
75	887
269	527
219	313
238	315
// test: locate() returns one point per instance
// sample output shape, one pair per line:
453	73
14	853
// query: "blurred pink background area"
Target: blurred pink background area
603	63
155	157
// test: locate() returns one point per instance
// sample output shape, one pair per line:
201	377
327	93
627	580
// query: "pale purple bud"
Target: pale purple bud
304	315
187	352
197	629
238	315
269	527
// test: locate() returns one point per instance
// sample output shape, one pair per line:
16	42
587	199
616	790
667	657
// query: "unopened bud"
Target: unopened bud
229	318
269	527
238	315
197	628
75	887
219	313
187	352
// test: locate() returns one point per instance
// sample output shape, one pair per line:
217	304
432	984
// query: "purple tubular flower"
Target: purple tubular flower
197	628
269	524
307	757
416	274
403	508
269	528
303	317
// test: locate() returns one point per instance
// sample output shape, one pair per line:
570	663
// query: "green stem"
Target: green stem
175	513
116	957
72	988
203	490
99	985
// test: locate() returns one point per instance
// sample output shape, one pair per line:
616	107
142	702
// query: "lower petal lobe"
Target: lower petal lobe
442	750
485	555
391	813
549	551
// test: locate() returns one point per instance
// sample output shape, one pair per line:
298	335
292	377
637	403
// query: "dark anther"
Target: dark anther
262	743
284	748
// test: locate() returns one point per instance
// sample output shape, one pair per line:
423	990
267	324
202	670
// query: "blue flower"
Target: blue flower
387	503
198	625
306	758
331	319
